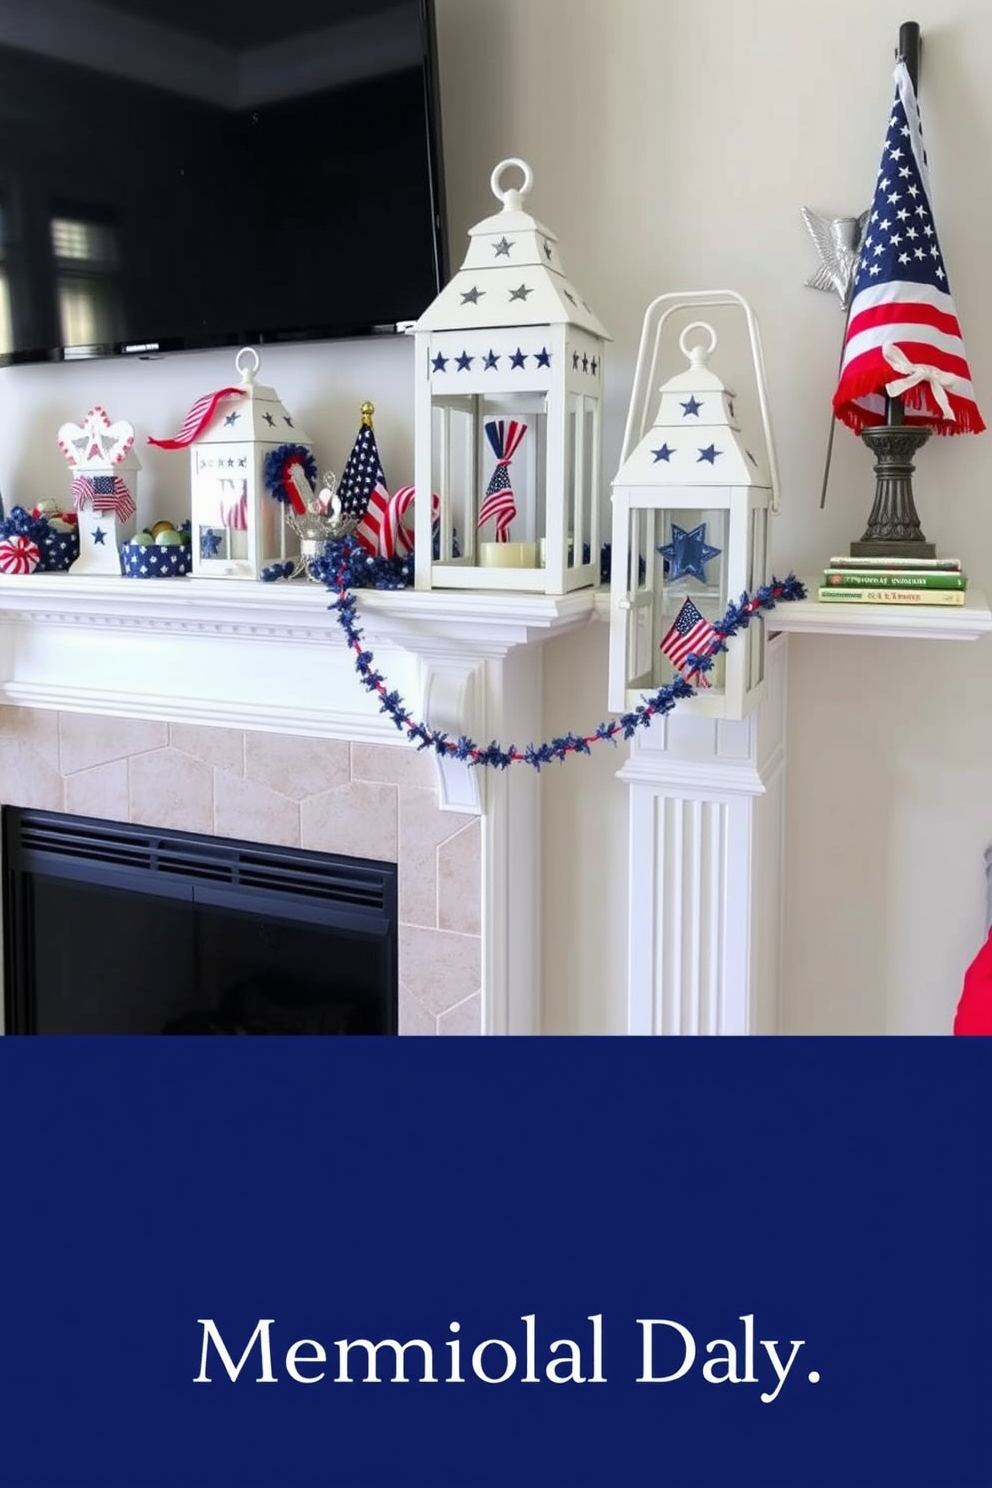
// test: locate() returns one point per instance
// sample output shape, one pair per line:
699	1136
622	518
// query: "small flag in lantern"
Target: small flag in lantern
499	504
690	635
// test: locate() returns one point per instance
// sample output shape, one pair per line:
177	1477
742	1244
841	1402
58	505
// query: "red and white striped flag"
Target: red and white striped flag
104	493
499	503
395	537
690	635
903	338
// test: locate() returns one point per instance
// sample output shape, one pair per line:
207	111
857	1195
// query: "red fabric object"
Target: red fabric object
974	1014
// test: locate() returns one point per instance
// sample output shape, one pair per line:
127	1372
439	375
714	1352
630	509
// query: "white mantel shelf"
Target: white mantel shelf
898	622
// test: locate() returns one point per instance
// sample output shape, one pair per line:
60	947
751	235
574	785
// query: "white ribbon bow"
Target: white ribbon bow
915	373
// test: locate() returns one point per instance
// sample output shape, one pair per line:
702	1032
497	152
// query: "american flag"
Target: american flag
197	419
903	336
363	489
499	502
691	634
105	493
395	537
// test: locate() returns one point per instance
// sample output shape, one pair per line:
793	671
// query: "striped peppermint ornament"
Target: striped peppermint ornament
19	555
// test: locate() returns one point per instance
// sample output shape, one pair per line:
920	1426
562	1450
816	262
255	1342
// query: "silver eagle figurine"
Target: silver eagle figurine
838	241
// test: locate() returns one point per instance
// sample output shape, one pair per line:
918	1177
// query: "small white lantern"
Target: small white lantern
509	387
239	525
690	524
104	467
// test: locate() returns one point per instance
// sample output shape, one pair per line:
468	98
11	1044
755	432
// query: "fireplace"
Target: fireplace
113	928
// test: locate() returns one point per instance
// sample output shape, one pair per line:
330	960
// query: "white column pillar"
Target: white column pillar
706	842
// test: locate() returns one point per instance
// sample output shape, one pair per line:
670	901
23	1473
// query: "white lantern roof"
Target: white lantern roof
512	274
696	439
260	416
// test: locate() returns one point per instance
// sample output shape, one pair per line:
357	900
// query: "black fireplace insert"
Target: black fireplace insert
116	929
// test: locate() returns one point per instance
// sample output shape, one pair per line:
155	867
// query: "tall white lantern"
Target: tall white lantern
690	522
509	385
239	525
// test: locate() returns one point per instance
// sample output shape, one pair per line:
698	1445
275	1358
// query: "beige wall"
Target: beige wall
673	145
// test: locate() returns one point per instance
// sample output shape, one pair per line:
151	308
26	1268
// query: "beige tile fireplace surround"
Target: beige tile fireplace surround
359	799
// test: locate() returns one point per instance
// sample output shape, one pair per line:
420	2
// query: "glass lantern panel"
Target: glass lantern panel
511	476
222	509
757	576
453	477
640	591
689	583
581	475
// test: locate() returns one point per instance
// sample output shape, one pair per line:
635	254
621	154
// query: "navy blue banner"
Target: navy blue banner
474	1264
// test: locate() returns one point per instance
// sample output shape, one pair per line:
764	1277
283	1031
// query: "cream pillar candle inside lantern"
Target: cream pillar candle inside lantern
508	414
690	522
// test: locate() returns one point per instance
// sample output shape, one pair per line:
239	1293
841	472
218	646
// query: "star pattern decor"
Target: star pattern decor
287	420
518	358
231	419
472	296
503	247
547	248
709	454
688	553
464	361
440	363
490	361
521	293
209	543
99	536
544	357
269	420
665	453
692	407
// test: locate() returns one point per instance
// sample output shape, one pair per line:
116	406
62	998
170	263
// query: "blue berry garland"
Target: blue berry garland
342	567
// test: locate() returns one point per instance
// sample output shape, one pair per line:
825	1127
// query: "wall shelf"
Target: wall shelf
898	622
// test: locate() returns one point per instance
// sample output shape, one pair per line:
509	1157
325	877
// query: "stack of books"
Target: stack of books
915	581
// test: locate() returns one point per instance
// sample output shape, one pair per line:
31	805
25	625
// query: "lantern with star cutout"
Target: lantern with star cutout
104	469
509	386
250	465
690	523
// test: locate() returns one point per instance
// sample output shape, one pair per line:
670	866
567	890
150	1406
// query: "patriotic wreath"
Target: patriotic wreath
345	559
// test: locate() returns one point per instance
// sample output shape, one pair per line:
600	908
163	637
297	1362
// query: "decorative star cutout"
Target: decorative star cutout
209	543
287	420
231	419
547	248
570	298
709	454
665	453
490	361
440	363
751	457
521	293
575	361
269	420
544	357
464	361
594	364
518	358
585	363
503	248
99	536
730	407
472	296
692	407
688	553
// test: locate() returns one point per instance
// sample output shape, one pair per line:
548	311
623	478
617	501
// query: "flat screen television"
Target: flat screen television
192	173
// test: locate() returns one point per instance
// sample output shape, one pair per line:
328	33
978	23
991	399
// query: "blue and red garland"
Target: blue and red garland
345	558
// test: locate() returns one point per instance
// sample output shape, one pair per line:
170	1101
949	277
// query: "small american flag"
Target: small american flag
363	489
903	336
105	493
691	634
197	419
395	537
499	503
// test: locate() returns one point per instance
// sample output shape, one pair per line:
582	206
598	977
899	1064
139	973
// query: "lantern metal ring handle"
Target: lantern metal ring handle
248	373
513	196
698	325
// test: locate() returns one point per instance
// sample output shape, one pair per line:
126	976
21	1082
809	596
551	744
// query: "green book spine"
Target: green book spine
901	579
892	596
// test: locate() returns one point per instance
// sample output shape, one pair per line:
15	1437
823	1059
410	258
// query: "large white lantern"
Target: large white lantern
690	522
509	385
250	462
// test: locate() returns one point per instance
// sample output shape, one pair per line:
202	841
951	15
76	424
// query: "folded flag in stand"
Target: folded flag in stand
382	530
691	635
903	338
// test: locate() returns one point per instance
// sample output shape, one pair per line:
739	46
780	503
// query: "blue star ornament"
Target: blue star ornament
692	407
99	536
665	453
688	554
709	455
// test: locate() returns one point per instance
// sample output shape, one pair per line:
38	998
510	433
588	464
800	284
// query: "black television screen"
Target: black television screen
193	173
